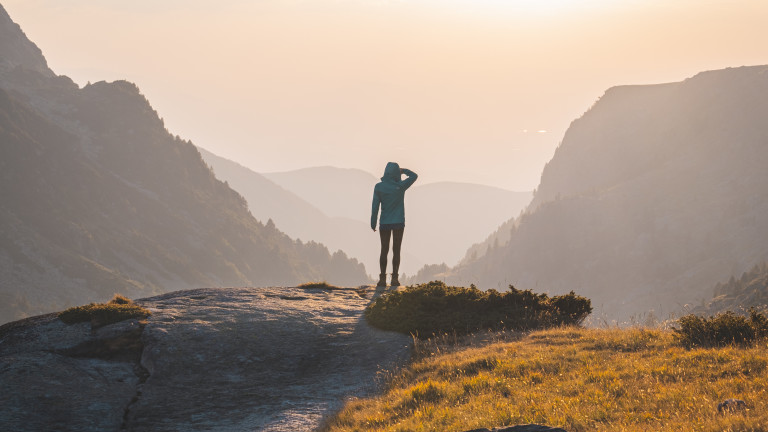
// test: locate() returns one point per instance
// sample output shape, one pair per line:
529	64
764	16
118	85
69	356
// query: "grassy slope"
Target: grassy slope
578	379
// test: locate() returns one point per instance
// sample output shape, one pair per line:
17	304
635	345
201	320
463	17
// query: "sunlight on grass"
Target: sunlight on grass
100	314
577	379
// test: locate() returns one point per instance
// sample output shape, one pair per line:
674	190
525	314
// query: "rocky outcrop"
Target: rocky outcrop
54	376
18	51
272	359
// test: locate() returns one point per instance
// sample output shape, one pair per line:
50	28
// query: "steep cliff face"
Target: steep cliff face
98	197
654	194
18	51
270	359
714	118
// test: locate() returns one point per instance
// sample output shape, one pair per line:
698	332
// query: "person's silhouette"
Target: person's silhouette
389	194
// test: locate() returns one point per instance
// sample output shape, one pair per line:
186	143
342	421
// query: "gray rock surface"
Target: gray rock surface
53	378
236	359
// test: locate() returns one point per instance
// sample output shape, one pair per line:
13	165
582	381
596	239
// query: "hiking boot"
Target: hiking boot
382	280
395	282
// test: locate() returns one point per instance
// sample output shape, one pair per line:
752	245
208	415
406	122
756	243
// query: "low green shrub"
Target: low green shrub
435	308
726	328
120	299
321	285
118	309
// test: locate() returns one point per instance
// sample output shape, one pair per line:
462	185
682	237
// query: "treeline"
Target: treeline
740	294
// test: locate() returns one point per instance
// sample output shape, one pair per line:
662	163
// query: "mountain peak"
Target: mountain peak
16	50
654	194
108	199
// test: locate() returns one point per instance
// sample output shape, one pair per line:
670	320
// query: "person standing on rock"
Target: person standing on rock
389	194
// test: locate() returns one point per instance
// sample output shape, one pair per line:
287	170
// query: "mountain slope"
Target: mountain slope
739	295
449	217
99	197
497	238
337	192
343	196
267	199
18	51
653	195
434	211
295	216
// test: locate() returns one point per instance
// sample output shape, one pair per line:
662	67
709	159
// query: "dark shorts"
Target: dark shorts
393	226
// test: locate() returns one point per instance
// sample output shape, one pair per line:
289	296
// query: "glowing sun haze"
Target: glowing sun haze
464	90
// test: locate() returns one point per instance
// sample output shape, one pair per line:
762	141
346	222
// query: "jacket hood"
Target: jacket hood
391	172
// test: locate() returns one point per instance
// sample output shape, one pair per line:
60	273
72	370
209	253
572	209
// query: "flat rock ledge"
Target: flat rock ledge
230	359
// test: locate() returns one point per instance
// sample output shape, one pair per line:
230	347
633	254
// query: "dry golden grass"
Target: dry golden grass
577	379
118	309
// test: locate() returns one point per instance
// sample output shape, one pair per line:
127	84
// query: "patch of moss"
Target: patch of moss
435	308
118	309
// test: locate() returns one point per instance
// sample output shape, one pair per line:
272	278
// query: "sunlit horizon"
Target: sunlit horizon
462	90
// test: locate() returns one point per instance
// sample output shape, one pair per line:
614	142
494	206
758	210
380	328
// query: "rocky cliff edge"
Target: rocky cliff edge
272	359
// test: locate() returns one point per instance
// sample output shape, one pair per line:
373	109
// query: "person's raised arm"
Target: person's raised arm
412	176
375	209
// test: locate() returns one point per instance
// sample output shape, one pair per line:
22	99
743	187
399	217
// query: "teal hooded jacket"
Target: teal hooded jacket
389	193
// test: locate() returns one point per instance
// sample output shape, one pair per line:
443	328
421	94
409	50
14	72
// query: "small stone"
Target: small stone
731	405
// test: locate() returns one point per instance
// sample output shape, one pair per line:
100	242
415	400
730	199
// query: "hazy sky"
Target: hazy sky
457	90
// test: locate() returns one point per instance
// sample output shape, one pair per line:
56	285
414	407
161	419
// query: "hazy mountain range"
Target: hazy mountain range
295	216
442	218
656	193
332	205
98	197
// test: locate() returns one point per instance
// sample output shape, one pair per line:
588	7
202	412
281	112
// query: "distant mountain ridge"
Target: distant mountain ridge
442	218
295	216
271	201
98	198
337	192
453	216
18	51
654	194
433	210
